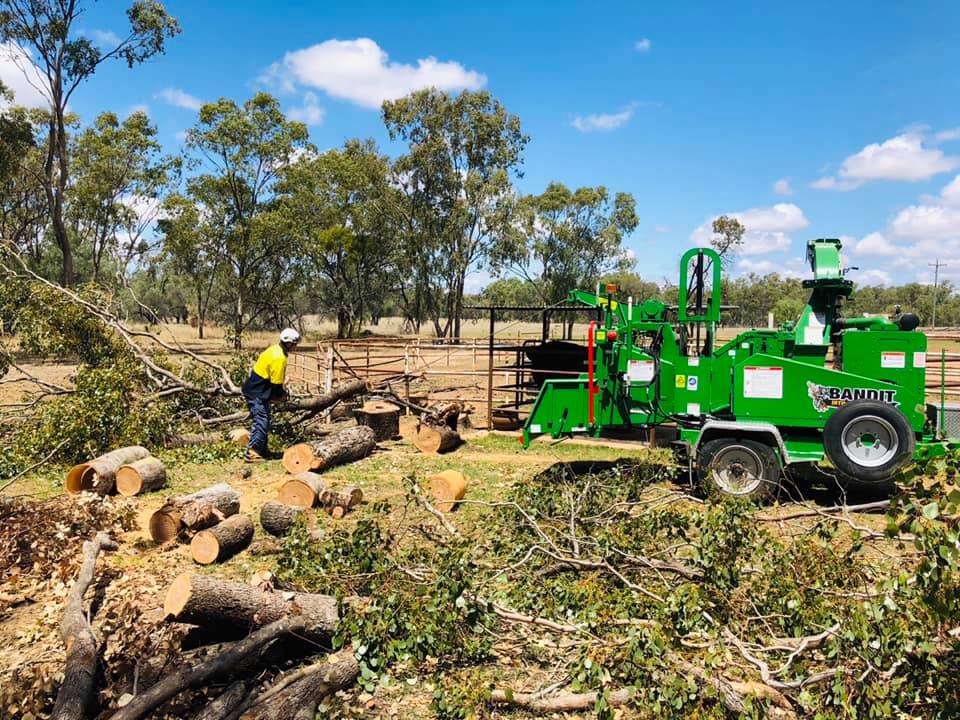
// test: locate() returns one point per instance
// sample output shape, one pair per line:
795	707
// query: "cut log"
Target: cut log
191	439
224	704
98	475
302	490
316	403
277	518
446	414
223	540
196	511
76	691
432	439
206	600
304	694
142	476
346	497
381	417
342	447
239	436
448	488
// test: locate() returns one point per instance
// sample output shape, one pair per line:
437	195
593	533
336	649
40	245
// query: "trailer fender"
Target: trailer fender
763	432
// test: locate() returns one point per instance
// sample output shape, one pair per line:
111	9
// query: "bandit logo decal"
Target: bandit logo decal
825	397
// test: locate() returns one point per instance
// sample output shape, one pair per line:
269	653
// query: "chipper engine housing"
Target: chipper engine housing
848	391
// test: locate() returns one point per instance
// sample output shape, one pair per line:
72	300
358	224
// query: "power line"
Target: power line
936	282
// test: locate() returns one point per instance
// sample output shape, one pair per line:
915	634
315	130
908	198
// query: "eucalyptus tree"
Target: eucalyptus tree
57	59
456	181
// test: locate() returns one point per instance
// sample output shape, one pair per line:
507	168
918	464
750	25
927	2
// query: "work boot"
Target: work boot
253	457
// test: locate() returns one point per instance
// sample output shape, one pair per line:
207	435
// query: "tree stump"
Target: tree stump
142	476
302	490
100	473
223	540
196	511
433	439
207	599
448	488
277	518
381	417
341	447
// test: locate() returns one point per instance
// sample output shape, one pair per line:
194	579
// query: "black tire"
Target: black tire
738	468
868	440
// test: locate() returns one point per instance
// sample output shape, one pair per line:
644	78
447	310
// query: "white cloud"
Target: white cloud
309	112
181	135
872	277
361	72
105	38
767	229
791	269
873	244
19	73
603	122
928	223
947	135
903	157
782	187
177	97
950	195
643	45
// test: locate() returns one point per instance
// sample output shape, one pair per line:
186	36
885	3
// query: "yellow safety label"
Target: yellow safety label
681	381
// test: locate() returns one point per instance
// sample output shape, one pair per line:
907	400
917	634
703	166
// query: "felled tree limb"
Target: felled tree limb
76	690
323	679
224	704
189	677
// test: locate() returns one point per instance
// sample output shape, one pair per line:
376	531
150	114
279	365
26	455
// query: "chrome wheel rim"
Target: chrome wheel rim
737	470
869	441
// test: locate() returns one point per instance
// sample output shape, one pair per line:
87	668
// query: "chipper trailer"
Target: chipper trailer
849	391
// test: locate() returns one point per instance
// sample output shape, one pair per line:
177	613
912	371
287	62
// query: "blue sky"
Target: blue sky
695	108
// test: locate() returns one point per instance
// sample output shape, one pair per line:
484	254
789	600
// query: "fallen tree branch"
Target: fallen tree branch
76	691
190	677
33	467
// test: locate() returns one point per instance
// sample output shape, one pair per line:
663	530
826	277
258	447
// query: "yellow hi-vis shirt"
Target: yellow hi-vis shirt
266	378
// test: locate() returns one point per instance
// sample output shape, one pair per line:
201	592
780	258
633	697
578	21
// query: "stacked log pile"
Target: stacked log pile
194	512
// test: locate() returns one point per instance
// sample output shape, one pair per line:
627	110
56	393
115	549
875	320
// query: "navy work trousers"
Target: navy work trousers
260	415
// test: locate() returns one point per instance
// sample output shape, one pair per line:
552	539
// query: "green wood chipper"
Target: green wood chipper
827	393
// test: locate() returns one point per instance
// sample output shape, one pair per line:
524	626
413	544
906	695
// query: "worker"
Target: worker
264	386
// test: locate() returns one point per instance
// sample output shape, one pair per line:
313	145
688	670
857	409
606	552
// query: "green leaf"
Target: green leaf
931	511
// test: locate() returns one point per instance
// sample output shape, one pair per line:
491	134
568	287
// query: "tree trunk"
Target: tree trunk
76	690
190	439
277	518
339	502
342	447
302	490
197	511
343	391
223	540
303	695
144	475
432	439
224	704
206	600
448	488
381	417
99	474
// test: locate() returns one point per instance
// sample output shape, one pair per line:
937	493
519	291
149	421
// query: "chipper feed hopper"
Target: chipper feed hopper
849	391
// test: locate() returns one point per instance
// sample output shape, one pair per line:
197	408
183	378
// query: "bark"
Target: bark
190	439
344	500
197	511
381	417
302	490
342	447
98	475
196	675
448	488
277	518
305	693
224	704
432	439
316	403
142	476
206	600
223	540
76	691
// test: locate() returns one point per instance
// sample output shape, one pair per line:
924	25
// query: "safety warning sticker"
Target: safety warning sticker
919	359
763	382
640	370
893	359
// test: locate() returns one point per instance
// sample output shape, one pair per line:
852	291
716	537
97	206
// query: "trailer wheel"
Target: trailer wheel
739	468
868	440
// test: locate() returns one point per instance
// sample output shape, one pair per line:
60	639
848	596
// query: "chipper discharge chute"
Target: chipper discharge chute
846	390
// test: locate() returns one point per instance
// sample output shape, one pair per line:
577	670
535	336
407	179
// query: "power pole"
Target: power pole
936	280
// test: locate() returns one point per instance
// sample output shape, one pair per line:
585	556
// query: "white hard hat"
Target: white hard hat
289	336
